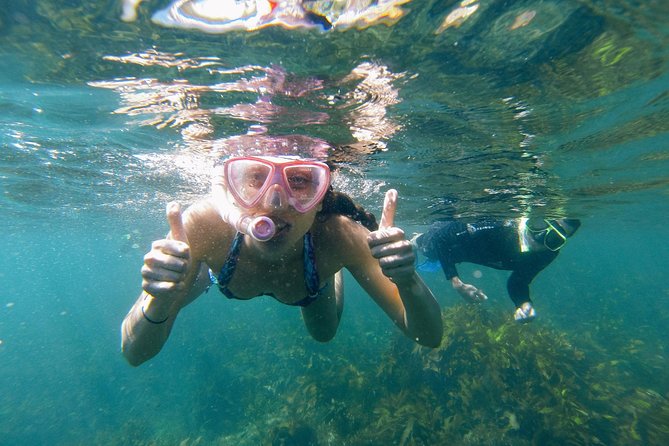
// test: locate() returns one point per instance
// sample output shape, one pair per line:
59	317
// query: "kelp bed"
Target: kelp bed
492	382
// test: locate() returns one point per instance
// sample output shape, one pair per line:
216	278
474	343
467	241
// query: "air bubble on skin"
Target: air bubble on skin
477	274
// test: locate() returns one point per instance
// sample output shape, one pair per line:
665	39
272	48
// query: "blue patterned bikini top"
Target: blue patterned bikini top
311	279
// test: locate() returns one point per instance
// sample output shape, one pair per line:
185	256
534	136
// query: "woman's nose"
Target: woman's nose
275	197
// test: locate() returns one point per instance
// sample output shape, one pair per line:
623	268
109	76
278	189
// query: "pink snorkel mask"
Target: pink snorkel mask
303	183
280	181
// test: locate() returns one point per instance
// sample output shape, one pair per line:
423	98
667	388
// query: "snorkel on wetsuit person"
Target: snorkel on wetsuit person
316	233
524	247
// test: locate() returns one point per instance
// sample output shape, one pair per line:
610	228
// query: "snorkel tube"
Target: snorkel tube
260	228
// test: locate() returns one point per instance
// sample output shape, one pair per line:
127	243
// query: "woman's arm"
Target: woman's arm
391	279
384	265
169	279
149	322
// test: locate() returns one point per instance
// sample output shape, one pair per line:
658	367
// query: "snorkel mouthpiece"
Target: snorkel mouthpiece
261	228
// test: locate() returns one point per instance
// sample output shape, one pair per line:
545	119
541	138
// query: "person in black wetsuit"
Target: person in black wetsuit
522	246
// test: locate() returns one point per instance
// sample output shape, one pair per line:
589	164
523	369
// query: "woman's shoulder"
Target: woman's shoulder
340	233
202	213
204	224
339	223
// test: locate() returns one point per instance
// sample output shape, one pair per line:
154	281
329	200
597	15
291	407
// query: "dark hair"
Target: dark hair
341	204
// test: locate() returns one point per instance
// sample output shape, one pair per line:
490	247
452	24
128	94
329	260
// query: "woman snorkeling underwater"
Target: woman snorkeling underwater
302	233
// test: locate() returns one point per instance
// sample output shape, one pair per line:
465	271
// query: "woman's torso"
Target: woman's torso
281	275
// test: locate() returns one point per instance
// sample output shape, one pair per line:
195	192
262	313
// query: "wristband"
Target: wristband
151	320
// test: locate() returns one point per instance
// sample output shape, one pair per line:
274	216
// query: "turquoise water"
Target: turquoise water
526	108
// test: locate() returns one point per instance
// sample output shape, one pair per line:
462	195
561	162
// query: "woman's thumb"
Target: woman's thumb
389	206
177	230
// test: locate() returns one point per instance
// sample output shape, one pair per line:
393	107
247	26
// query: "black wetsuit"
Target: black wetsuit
492	243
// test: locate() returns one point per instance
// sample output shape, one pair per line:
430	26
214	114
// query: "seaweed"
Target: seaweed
491	382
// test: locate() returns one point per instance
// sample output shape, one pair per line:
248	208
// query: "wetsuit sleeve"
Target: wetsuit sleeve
448	242
519	281
447	264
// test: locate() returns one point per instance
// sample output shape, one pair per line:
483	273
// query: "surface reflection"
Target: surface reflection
352	111
215	16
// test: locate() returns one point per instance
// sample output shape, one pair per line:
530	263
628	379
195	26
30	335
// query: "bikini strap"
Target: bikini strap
311	279
228	268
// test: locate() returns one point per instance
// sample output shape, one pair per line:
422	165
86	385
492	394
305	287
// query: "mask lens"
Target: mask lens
306	185
554	239
247	179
